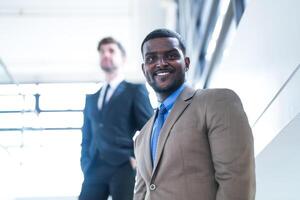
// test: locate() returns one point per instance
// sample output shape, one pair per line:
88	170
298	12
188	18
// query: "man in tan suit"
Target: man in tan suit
198	145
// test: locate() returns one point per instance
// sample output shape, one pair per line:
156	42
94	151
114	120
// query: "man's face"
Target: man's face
111	57
164	64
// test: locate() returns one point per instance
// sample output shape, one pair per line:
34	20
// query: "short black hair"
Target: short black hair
163	32
111	40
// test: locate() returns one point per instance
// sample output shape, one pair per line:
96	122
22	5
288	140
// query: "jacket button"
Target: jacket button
152	187
100	125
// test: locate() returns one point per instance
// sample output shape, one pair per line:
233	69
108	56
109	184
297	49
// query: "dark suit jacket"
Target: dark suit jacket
205	151
107	133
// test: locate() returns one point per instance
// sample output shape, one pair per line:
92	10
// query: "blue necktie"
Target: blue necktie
155	133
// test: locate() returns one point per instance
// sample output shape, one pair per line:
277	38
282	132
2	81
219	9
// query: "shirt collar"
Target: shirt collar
170	100
115	82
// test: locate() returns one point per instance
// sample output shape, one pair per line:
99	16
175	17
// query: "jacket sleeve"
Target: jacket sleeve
142	107
86	139
232	147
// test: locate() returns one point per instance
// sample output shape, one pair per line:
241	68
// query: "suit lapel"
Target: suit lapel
148	132
94	104
180	105
121	87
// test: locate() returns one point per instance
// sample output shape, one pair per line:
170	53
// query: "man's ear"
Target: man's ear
143	68
187	63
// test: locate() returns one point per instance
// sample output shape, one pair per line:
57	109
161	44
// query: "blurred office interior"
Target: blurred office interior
49	62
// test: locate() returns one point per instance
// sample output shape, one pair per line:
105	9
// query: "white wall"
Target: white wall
277	167
262	67
264	54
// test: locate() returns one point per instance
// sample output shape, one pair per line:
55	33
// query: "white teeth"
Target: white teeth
162	73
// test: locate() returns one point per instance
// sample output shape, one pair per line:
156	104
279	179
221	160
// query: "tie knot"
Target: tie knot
162	109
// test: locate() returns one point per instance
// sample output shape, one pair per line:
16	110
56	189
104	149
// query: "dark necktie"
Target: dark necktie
155	134
104	96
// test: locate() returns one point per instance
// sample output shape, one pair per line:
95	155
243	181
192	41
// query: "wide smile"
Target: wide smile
162	73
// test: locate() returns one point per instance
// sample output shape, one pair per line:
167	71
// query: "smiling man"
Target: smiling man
198	145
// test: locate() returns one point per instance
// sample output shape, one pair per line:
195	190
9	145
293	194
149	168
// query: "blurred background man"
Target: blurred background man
111	117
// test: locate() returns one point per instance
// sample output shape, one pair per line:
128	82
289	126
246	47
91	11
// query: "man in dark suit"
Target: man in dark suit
198	145
111	118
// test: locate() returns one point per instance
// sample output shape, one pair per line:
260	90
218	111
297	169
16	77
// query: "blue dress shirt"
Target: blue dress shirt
168	103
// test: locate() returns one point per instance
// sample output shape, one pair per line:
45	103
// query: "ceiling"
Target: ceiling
46	41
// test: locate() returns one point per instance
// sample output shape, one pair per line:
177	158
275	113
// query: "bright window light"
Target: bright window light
35	168
217	29
34	159
61	119
10	139
62	101
17	102
11	120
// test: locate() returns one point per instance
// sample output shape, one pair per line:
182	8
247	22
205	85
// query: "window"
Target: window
40	138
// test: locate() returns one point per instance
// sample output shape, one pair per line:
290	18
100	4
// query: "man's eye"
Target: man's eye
149	59
172	56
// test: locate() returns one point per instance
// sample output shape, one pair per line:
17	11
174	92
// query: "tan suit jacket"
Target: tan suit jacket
205	151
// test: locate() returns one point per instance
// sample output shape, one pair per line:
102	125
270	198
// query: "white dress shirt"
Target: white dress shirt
113	86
